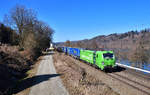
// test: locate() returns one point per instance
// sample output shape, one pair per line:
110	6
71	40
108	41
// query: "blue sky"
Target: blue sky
84	19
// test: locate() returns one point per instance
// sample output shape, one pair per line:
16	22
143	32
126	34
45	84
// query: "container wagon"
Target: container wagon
75	52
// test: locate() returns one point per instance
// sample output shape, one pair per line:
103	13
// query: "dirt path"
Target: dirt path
48	81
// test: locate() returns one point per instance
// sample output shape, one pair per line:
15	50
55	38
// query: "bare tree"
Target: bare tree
140	54
68	43
94	45
43	33
33	34
79	44
7	35
19	19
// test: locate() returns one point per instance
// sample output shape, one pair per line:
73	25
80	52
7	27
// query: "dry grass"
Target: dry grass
14	67
8	48
77	80
31	73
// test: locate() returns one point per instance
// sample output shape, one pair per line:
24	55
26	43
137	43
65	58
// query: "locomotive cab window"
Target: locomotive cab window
108	55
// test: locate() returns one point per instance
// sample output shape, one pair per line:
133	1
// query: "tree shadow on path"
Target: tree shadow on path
29	82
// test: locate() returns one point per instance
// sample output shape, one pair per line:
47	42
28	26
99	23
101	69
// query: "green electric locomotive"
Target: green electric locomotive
102	59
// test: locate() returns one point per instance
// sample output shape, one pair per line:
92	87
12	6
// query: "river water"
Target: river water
137	65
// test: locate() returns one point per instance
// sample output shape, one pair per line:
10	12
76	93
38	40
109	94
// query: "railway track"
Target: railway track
138	74
136	85
132	83
145	89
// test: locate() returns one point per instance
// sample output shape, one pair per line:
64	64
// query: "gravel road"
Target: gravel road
48	81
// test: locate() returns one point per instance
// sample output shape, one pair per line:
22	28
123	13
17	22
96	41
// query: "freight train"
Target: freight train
101	59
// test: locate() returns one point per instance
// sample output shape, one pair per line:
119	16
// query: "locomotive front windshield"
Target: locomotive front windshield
108	55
